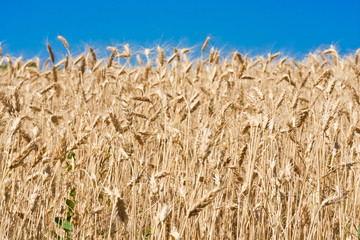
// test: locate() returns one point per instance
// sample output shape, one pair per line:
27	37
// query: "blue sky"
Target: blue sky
254	27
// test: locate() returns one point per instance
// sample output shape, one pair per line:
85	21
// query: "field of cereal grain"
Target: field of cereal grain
159	145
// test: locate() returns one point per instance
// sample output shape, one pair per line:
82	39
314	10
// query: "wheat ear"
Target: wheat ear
51	53
205	44
204	201
63	40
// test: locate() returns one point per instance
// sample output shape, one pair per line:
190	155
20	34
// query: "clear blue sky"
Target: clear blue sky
255	27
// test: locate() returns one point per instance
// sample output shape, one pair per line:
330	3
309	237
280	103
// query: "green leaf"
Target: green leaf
70	204
358	232
148	234
70	155
101	196
58	221
67	226
68	216
68	166
55	235
73	193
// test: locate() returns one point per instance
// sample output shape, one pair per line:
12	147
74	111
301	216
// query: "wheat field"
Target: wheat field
155	144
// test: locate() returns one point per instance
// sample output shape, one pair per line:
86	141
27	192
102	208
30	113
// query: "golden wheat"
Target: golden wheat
219	147
63	40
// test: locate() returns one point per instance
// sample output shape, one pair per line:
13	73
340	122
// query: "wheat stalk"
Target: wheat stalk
51	53
18	161
203	202
160	58
205	44
63	40
272	57
111	58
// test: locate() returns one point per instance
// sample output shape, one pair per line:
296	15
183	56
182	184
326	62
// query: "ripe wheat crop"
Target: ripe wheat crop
157	145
